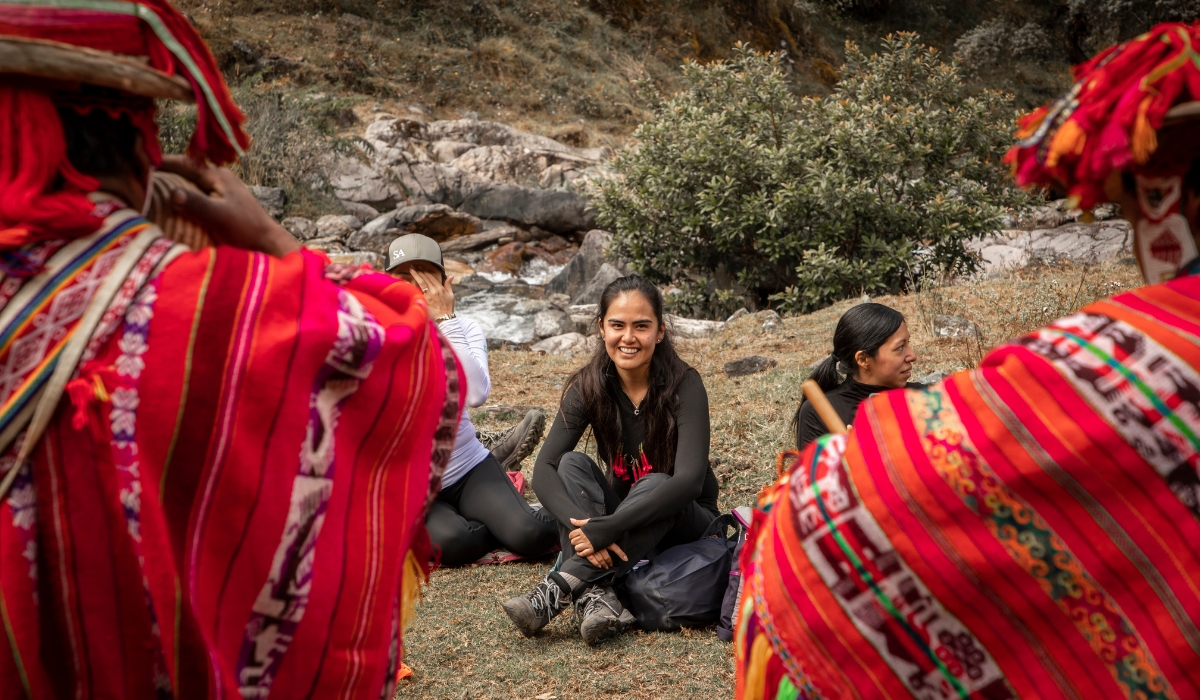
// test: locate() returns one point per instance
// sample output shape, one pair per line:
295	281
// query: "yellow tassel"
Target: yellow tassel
410	589
1145	139
1069	139
101	392
756	671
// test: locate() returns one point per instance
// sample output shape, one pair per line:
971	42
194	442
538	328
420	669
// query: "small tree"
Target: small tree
804	201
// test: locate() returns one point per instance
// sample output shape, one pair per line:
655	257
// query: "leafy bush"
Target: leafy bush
804	201
292	132
996	43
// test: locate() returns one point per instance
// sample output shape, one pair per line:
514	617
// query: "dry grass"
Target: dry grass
462	645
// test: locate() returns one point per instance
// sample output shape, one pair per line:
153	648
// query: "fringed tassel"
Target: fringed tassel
410	595
1069	140
418	564
756	669
1145	138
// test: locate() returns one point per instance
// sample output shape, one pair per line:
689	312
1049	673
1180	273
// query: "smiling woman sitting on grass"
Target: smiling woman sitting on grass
649	414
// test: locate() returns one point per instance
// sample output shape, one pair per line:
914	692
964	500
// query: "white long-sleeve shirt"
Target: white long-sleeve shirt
470	346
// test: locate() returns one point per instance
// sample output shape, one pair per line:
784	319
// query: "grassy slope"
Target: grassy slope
462	641
547	64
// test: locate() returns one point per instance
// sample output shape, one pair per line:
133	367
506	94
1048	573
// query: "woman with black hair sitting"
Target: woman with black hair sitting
649	414
872	352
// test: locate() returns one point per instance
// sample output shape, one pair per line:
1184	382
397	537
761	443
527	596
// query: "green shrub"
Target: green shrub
293	132
805	201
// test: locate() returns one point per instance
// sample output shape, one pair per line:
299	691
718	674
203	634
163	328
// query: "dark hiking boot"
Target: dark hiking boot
603	615
534	610
513	446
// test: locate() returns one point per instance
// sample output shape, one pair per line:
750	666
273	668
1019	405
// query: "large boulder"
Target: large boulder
606	275
332	225
583	267
507	258
552	322
300	227
483	239
355	181
447	151
362	212
693	328
515	164
567	345
484	133
437	221
553	210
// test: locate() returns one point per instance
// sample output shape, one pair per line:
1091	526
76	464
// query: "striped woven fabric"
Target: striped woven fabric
229	501
1027	529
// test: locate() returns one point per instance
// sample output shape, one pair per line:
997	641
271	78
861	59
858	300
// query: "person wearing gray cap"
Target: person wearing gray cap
478	508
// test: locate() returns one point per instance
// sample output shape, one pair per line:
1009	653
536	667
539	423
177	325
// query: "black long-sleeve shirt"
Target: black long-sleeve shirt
845	399
691	477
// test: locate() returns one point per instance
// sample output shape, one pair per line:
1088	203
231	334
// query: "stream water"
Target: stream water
504	305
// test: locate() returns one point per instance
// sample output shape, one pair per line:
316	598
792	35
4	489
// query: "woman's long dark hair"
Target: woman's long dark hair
864	327
597	384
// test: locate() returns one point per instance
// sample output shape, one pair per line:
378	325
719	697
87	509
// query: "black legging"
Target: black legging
482	511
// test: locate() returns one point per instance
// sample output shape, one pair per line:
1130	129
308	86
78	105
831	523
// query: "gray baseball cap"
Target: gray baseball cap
411	248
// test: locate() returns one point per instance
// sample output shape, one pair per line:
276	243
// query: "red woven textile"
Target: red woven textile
234	517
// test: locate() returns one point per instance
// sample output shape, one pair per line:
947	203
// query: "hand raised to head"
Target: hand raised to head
227	210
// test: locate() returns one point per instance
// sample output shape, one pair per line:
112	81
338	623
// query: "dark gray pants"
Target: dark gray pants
483	511
590	490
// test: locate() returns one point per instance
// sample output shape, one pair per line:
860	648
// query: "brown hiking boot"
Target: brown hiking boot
518	442
534	610
603	615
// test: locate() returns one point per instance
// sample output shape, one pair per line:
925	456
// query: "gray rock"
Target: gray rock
953	326
606	275
374	260
559	301
553	210
475	241
932	378
567	345
334	226
583	267
355	181
300	227
447	151
692	328
328	244
520	165
437	221
588	309
273	199
362	212
749	365
584	323
738	314
484	133
552	322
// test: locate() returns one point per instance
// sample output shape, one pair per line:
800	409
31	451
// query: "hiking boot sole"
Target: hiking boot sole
533	435
605	629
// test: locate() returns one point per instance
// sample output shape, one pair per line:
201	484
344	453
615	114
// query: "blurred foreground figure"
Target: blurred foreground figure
1030	528
214	464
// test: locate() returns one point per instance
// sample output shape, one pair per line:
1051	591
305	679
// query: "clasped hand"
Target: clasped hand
584	548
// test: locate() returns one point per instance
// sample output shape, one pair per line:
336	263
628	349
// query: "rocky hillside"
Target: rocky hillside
546	65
